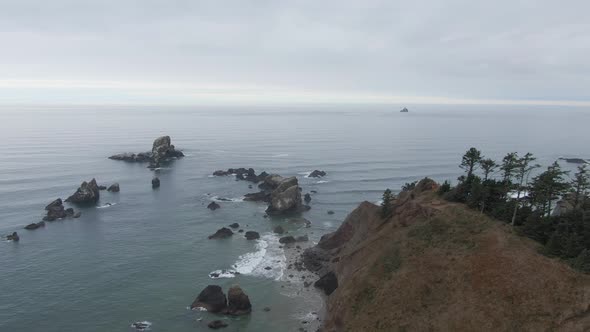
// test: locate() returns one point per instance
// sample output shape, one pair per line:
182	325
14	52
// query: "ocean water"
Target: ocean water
147	256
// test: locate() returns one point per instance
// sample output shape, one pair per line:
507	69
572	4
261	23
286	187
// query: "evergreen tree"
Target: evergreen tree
488	166
580	185
523	169
386	205
509	165
470	161
547	187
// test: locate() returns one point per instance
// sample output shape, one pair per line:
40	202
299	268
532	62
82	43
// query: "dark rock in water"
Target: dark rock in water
70	212
213	206
223	199
574	160
278	230
211	298
317	174
222	233
246	174
328	283
55	210
238	302
102	187
287	240
302	238
217	324
221	173
114	188
155	183
261	196
307	198
330	212
286	198
268	268
404	110
241	231
77	214
35	225
266	309
87	193
251	235
141	326
235	225
313	191
271	182
13	237
162	150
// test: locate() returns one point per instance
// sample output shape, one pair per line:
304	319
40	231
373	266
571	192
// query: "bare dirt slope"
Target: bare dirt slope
437	266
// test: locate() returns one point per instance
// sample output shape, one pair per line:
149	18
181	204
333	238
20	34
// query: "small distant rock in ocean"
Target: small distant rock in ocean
316	174
211	299
114	188
574	160
13	237
55	210
155	183
404	110
141	326
162	150
222	233
34	226
252	235
217	324
242	173
287	240
307	198
235	225
87	193
214	206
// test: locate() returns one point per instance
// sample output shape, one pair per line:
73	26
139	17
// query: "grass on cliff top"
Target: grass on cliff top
455	227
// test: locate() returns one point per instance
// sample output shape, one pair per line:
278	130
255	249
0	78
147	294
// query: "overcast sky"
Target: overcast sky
191	51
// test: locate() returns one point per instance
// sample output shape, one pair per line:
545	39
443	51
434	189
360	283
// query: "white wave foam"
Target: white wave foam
142	326
217	274
280	155
268	254
305	174
225	199
323	181
106	205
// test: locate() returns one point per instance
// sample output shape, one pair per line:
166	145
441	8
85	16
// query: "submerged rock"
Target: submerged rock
251	235
238	303
235	225
211	298
217	324
317	174
114	188
287	240
222	233
35	225
213	206
87	193
307	198
13	237
155	183
278	230
328	283
330	212
141	326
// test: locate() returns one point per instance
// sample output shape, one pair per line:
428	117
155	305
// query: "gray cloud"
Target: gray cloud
452	48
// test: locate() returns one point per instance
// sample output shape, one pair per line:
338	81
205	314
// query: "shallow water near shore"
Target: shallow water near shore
146	256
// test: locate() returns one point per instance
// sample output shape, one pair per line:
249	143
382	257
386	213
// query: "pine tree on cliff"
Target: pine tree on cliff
470	161
488	166
386	205
580	185
547	187
523	170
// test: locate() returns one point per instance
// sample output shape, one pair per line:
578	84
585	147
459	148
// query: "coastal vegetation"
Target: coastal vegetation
550	207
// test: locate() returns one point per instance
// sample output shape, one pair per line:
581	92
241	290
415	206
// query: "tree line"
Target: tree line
549	205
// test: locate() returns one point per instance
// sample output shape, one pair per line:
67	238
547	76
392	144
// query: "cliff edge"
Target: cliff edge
438	266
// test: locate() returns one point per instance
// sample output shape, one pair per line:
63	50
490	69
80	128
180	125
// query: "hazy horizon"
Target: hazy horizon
196	52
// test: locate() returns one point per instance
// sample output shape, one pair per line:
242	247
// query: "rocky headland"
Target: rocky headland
435	265
162	151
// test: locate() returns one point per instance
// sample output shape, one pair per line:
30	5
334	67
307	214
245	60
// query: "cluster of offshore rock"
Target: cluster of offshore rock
162	151
213	300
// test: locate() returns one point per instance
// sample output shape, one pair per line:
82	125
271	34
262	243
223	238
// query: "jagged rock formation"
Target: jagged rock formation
242	173
162	150
87	193
317	174
114	188
285	197
211	298
238	303
13	237
435	265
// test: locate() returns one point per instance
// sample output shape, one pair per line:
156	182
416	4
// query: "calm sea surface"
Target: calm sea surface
146	257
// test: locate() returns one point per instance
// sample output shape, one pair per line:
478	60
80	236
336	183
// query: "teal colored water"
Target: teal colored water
147	256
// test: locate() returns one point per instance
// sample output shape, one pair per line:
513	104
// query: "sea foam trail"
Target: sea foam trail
268	253
225	199
142	326
106	205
